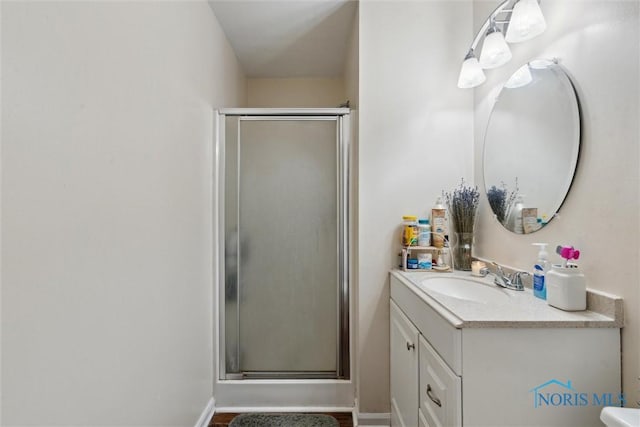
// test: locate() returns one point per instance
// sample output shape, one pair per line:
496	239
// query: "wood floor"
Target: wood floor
222	420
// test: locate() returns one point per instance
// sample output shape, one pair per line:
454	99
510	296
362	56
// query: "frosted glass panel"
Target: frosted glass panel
288	245
231	247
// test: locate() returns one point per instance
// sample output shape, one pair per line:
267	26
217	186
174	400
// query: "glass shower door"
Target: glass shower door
282	237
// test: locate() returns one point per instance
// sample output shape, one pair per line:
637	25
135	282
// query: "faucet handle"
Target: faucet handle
516	277
498	268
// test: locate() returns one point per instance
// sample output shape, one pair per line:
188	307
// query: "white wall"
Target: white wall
106	209
416	130
295	92
351	71
599	43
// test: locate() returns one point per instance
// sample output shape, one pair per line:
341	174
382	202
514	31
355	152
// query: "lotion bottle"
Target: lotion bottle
540	269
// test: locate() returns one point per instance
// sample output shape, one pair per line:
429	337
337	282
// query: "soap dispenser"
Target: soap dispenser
540	268
566	285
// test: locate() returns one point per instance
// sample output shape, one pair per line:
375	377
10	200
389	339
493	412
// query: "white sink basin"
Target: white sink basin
620	417
465	289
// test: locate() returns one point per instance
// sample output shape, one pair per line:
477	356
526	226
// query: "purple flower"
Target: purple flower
463	206
501	200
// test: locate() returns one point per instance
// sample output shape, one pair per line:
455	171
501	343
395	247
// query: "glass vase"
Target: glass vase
462	248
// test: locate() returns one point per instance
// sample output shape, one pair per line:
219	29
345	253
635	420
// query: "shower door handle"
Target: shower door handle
410	346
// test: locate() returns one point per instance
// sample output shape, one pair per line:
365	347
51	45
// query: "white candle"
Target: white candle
476	266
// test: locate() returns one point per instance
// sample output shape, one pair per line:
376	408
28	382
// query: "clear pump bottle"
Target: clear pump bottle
540	269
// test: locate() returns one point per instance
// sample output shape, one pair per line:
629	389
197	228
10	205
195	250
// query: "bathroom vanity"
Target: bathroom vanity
465	352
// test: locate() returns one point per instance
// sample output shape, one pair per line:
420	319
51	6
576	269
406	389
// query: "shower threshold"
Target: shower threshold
289	375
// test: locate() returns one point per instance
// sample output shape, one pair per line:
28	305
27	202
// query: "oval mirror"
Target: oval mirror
531	146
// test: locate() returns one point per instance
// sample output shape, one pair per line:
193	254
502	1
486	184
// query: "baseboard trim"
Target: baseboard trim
242	409
366	419
207	414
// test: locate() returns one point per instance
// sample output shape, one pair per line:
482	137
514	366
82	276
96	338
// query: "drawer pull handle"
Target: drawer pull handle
432	397
410	346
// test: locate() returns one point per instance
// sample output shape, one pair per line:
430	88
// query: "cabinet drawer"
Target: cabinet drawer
440	389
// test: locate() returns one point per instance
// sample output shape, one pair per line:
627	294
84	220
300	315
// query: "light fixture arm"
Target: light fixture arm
483	30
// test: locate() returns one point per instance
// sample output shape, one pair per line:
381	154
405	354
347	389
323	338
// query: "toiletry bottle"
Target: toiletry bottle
438	223
446	253
567	288
515	217
403	261
424	232
425	261
566	285
440	261
444	256
540	269
410	230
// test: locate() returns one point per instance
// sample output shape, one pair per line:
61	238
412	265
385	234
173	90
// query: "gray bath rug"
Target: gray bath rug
284	420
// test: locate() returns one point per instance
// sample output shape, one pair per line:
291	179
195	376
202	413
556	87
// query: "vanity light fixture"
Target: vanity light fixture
520	23
471	74
527	21
495	51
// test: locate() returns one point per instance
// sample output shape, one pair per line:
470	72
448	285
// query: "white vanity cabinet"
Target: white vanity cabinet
450	369
424	390
404	368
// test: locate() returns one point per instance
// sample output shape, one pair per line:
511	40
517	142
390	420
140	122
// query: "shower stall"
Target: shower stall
283	246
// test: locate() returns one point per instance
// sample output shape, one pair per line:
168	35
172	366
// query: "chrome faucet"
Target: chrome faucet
513	282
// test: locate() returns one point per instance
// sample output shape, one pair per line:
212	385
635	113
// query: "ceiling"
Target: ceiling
291	38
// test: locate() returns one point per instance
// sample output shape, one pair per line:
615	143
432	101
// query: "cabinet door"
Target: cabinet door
440	389
404	370
422	420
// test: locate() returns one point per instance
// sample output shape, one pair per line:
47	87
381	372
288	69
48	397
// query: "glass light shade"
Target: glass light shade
541	64
526	22
471	74
521	77
495	51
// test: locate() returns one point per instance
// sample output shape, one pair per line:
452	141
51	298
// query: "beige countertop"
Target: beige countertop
517	309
